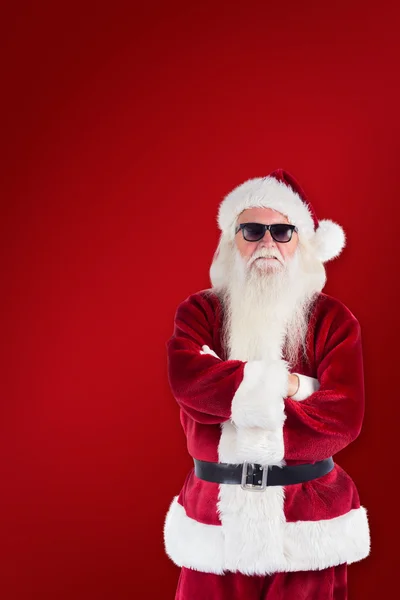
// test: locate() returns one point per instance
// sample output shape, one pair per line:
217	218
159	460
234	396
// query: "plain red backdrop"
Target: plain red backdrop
123	128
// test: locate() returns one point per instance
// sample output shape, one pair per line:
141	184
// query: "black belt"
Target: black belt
253	476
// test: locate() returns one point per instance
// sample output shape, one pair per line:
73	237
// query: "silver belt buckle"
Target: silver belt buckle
259	473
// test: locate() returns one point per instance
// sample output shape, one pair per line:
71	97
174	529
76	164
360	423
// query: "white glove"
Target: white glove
207	350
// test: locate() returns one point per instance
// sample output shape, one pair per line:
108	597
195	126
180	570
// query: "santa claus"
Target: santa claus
268	373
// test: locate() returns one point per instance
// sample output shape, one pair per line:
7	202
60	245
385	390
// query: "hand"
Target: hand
207	350
294	384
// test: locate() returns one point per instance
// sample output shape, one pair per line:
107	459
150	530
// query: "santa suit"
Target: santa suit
234	411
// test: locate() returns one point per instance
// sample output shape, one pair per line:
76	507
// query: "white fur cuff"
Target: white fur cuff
258	401
308	385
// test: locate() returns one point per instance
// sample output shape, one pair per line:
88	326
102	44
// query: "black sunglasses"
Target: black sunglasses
253	232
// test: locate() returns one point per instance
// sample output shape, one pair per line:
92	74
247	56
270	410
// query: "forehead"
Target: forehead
261	215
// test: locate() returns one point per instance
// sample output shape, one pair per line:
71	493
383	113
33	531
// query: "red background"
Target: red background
123	129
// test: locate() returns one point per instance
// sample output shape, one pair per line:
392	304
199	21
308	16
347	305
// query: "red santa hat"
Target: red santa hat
281	192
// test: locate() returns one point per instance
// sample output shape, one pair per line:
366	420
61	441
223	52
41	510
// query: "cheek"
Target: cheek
287	250
244	248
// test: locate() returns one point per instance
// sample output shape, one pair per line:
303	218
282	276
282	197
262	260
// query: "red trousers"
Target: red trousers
327	584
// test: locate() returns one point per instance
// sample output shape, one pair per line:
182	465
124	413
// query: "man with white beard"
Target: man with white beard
268	373
269	292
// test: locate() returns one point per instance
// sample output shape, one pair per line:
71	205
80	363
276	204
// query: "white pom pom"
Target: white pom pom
329	240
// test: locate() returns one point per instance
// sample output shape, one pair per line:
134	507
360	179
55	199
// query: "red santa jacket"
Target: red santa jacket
235	411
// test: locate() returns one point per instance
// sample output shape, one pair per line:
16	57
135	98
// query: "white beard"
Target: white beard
267	311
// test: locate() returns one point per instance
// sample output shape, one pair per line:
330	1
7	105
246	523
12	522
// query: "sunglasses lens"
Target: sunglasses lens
281	233
253	232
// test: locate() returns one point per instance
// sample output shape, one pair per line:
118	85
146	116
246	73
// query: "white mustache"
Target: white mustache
264	254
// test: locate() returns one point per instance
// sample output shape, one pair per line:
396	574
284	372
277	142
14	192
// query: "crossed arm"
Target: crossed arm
259	393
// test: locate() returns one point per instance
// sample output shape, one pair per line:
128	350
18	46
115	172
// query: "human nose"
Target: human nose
267	240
